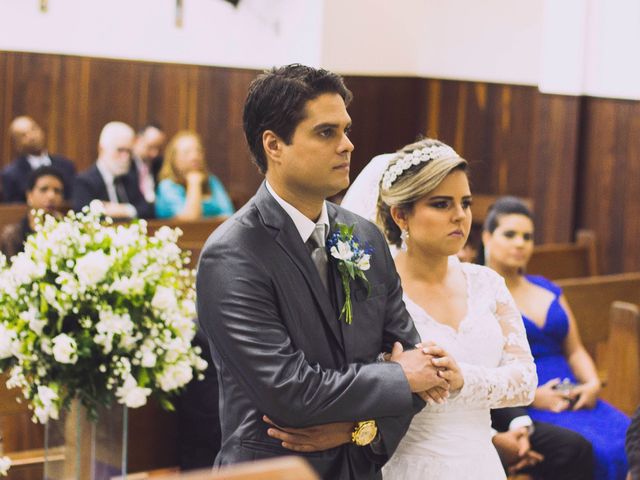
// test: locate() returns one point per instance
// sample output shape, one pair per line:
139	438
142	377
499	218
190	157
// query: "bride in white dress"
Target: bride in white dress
465	309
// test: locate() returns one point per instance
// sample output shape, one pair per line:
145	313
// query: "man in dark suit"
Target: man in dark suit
269	298
29	142
147	159
540	449
108	180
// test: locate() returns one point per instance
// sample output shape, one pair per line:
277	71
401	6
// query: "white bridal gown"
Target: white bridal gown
452	441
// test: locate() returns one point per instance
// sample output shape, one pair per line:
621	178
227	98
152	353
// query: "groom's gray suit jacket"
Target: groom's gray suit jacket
281	350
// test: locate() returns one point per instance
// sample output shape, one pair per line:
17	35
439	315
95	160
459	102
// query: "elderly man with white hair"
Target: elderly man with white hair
109	181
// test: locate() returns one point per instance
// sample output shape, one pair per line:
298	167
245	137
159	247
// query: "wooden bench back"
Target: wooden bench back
591	298
623	357
482	202
566	260
192	231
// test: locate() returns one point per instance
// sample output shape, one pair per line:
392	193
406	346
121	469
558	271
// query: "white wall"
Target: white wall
563	46
490	40
256	34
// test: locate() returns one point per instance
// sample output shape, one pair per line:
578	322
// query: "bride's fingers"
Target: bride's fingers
434	350
443	363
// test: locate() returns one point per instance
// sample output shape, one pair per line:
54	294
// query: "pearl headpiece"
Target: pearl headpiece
416	157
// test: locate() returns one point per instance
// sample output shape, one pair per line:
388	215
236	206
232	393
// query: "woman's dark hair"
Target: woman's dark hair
276	101
38	173
503	206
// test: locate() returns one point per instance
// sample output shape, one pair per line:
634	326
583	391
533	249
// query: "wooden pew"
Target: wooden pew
591	298
566	260
623	357
192	231
482	202
604	334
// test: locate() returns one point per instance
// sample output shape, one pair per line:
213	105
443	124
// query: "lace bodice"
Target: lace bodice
490	345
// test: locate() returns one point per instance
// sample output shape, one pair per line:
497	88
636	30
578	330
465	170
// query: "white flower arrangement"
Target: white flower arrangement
97	312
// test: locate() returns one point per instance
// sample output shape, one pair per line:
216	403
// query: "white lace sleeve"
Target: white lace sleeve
513	382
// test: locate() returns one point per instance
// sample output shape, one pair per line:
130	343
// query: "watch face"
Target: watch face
366	433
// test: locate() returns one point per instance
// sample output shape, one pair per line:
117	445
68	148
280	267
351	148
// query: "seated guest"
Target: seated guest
555	342
45	191
539	448
29	142
108	179
147	159
186	190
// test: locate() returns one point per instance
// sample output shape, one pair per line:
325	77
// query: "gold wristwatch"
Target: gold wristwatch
364	433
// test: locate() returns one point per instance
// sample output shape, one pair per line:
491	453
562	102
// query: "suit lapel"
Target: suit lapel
289	240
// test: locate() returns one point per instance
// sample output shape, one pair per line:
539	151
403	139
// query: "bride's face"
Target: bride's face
439	222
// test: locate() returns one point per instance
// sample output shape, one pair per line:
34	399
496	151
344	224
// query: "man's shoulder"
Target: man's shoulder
62	162
18	166
243	227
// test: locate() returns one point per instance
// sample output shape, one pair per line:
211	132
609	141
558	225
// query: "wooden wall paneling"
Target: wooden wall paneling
609	181
387	113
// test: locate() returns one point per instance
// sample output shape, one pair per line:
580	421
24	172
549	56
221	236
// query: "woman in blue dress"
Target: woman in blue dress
568	389
186	191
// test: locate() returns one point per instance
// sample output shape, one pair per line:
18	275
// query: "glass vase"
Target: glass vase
77	448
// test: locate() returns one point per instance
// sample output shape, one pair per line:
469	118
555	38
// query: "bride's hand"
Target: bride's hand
447	366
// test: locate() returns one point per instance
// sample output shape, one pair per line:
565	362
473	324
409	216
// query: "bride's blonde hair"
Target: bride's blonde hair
415	171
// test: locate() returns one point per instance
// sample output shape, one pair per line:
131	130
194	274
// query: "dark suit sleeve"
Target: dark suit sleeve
11	187
398	327
238	307
143	208
83	193
502	417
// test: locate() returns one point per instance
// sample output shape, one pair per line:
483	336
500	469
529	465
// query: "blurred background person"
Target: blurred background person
44	191
28	139
187	191
147	159
555	342
109	181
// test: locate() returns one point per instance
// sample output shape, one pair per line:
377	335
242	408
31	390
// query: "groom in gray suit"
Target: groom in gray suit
270	299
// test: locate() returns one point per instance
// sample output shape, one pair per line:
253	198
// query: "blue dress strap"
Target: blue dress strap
545	283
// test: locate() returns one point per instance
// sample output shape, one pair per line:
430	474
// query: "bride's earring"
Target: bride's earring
404	236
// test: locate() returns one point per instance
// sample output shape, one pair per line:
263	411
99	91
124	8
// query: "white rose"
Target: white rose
164	299
175	376
96	207
363	262
7	338
92	268
31	317
5	465
148	358
341	251
24	270
131	394
64	349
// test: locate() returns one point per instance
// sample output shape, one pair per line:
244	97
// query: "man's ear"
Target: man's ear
399	216
272	145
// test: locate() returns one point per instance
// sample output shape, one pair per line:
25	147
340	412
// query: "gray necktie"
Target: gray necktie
316	245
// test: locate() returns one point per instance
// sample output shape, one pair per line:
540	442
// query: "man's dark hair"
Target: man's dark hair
38	173
146	126
276	101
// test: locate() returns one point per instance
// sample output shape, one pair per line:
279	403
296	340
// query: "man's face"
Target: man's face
28	137
317	160
116	154
47	194
149	144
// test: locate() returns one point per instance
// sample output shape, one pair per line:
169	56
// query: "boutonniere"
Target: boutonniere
353	259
